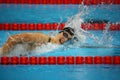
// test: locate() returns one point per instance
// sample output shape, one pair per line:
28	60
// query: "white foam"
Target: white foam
22	49
19	49
45	48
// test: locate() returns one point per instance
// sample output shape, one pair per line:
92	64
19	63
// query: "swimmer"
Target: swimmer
36	39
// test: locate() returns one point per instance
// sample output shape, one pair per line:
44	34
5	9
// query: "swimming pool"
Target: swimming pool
39	14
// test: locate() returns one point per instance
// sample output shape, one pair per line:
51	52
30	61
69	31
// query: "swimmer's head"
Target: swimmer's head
66	34
69	30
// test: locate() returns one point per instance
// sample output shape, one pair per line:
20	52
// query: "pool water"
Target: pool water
39	14
56	13
56	72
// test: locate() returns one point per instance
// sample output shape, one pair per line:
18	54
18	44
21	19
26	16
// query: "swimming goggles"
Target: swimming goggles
66	35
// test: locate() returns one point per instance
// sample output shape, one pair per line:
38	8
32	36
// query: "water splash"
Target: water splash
22	50
83	35
106	37
75	22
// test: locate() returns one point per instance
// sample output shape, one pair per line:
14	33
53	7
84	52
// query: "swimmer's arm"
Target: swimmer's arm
16	39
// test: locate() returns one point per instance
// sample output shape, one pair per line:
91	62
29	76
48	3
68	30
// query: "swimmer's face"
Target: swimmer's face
64	36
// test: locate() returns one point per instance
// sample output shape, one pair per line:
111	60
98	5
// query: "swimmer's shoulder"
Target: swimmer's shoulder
36	34
39	34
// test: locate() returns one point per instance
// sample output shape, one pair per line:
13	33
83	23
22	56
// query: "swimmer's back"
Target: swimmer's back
31	37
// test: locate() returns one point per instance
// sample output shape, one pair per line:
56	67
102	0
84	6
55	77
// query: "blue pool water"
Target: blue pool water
58	72
54	13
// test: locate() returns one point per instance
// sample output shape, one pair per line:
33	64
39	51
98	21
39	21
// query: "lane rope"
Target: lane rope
86	2
53	26
59	60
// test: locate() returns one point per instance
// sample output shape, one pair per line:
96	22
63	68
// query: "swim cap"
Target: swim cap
69	30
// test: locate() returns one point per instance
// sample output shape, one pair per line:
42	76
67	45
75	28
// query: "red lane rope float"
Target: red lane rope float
107	59
70	60
52	60
42	60
31	26
98	60
23	26
89	60
116	1
60	60
39	26
1	26
14	60
23	60
79	60
86	2
15	26
6	26
56	26
33	60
